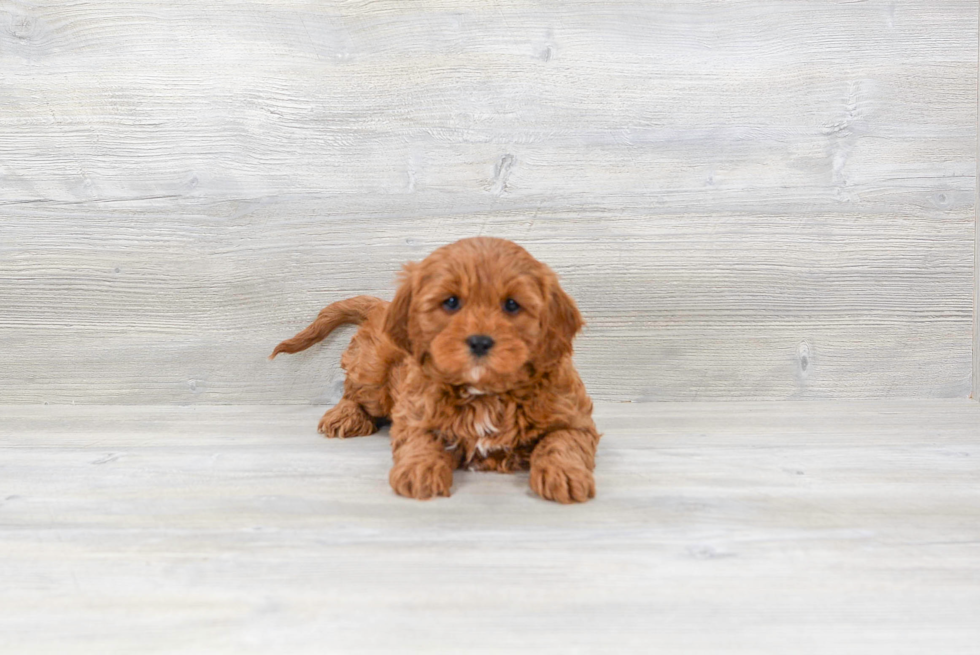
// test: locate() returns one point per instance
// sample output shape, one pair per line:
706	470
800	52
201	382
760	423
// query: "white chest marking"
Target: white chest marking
484	427
483	446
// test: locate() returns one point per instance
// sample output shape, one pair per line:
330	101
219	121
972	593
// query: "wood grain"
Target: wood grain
730	189
810	527
976	261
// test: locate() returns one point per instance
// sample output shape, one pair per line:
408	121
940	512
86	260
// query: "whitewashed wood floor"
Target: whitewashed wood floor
757	528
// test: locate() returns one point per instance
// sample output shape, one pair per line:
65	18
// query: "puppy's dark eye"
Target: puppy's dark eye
450	304
511	306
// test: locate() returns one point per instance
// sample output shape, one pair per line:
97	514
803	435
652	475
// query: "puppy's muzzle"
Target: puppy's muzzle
480	344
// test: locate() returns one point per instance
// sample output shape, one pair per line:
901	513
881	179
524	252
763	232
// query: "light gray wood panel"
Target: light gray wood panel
678	307
976	265
738	527
728	189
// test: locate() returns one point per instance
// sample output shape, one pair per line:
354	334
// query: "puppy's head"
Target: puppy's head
483	313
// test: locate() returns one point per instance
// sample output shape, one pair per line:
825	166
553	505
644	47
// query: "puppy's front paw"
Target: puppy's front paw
346	419
421	478
562	482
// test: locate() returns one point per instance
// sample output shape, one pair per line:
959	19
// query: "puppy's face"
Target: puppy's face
484	314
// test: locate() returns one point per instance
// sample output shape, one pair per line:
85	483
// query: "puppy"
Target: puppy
472	364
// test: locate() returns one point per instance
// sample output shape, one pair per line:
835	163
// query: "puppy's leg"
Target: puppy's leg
561	466
423	468
366	396
346	419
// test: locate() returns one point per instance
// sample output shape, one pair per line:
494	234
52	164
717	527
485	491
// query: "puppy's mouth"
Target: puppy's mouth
481	379
475	374
475	379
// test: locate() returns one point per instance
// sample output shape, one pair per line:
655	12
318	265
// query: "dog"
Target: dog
472	364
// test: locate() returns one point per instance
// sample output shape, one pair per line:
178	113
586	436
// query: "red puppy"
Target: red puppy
472	362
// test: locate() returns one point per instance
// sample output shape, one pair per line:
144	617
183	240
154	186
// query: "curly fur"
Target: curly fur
520	406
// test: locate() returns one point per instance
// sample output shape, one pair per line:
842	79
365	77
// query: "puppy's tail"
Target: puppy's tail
352	310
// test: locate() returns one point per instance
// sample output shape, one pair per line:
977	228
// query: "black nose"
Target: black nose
480	344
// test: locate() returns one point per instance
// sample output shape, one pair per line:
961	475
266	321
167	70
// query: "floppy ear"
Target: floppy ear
562	322
396	320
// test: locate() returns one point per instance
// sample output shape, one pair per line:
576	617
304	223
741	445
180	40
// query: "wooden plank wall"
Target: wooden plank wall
750	199
976	255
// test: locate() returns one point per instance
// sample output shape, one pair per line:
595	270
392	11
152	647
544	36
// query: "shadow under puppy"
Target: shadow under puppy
472	363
